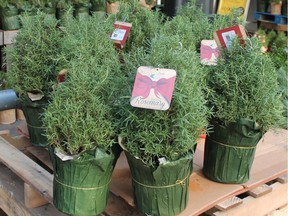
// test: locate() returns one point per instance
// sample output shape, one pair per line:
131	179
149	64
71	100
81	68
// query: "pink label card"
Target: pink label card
209	52
153	88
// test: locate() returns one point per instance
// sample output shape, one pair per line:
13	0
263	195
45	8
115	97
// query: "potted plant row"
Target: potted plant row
79	120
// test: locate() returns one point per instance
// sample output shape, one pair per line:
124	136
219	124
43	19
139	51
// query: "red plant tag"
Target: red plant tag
224	37
153	88
120	33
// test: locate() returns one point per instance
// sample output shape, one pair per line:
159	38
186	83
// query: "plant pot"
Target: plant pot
171	7
113	8
163	190
60	13
276	8
81	185
9	18
50	11
81	12
98	5
33	111
262	5
229	151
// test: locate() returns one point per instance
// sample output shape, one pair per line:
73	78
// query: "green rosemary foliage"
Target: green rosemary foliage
152	134
80	115
244	85
145	23
34	55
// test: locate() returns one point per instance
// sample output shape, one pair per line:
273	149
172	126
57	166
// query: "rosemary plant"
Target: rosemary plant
151	134
244	85
34	55
80	115
145	23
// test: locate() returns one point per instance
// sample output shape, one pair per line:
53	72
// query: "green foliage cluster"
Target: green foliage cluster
145	23
34	55
276	1
80	115
244	85
278	43
152	134
193	25
2	80
283	83
9	3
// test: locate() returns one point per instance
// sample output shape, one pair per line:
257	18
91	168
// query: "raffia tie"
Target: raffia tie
79	188
178	182
34	126
239	147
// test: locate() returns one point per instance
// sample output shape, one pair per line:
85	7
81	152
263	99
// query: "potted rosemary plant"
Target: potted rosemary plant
159	145
244	95
79	120
33	69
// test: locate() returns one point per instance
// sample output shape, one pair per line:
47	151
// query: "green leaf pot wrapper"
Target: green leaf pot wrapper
230	150
33	112
81	185
9	18
163	190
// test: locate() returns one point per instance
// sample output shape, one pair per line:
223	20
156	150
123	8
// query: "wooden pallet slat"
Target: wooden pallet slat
12	197
283	179
229	203
41	154
9	36
1	37
261	205
27	169
260	191
32	198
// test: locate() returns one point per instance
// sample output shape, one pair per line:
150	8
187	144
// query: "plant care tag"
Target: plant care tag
120	33
63	156
209	52
35	97
224	37
153	88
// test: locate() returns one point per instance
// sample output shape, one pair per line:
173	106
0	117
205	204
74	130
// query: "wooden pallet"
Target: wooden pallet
30	167
272	18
